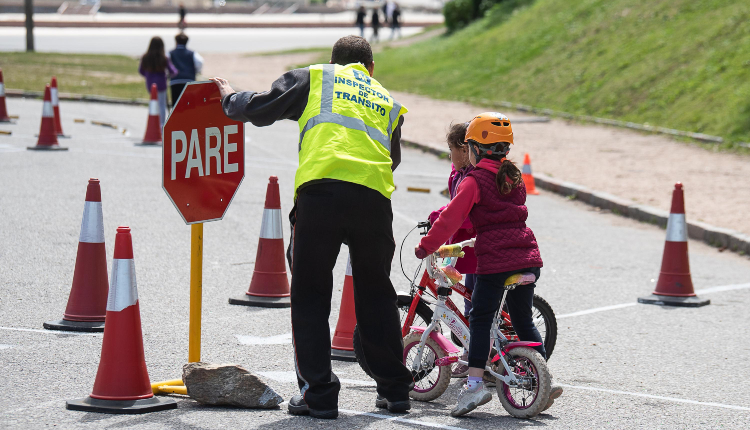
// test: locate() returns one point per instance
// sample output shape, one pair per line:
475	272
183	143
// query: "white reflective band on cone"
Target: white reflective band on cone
526	169
55	99
123	291
349	266
47	111
2	89
270	228
92	227
153	107
676	228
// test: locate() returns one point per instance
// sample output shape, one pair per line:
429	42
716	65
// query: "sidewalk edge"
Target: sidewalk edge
715	236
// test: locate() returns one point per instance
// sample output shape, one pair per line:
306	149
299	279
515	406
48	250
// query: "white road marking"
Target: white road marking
651	396
627	305
34	330
402	420
4	346
291	376
5	147
404	217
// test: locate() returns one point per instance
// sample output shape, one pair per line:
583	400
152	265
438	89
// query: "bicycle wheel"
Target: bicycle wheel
431	381
422	317
530	396
546	323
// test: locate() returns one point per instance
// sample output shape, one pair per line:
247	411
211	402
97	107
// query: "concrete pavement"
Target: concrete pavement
624	364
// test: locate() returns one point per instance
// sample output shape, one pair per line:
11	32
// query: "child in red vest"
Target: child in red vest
493	196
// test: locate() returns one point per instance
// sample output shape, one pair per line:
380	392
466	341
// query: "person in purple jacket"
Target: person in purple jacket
156	68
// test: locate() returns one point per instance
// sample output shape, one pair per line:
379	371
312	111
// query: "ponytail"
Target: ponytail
508	177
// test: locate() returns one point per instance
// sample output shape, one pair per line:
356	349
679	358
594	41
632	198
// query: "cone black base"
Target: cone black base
342	355
263	302
148	144
46	148
87	326
688	302
63	136
142	406
7	121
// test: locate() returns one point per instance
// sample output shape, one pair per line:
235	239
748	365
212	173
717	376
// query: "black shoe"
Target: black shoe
297	406
396	407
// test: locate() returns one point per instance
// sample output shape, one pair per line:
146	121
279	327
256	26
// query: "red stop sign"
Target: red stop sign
203	155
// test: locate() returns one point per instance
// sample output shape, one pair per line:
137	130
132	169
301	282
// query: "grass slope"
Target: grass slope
683	64
106	75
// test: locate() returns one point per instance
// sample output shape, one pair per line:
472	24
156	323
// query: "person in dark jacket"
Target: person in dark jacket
375	22
361	15
188	63
396	21
348	148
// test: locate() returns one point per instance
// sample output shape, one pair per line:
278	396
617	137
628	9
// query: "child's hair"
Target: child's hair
508	176
456	134
155	59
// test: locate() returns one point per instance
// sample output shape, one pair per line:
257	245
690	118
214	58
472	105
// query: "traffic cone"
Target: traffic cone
528	178
342	348
56	107
269	287
122	385
3	111
153	127
47	137
87	303
675	286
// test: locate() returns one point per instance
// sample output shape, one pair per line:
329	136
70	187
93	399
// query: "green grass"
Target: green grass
105	75
681	64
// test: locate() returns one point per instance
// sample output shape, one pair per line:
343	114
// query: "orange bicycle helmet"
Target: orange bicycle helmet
491	132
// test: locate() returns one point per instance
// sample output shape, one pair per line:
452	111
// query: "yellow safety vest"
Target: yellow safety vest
346	128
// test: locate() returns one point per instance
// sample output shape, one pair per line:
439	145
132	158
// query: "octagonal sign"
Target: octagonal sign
203	159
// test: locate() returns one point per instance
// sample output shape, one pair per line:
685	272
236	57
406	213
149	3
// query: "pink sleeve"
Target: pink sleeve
453	216
435	214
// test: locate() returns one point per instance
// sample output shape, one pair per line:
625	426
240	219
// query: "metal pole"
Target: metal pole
196	292
29	9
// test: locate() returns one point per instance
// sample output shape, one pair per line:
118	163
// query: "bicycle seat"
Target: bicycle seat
520	279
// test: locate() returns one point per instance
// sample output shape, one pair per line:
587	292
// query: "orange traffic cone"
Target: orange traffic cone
153	127
122	385
56	107
675	286
3	111
269	286
87	303
47	137
528	178
342	348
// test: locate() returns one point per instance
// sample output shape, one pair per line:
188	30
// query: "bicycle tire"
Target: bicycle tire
542	379
423	311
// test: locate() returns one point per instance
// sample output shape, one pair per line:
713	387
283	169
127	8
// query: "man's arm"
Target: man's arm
198	62
286	99
396	144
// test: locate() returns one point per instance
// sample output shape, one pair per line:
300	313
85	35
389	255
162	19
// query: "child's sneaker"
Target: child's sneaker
554	392
468	400
461	370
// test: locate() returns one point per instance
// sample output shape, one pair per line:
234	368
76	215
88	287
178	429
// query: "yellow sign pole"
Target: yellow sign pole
176	386
196	291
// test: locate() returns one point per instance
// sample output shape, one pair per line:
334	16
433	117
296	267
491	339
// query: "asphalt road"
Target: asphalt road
134	41
624	365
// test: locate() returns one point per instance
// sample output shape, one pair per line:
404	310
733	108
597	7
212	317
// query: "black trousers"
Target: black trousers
176	90
327	215
488	291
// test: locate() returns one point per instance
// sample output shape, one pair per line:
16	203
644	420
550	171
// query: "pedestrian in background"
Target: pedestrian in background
375	22
385	12
396	21
188	63
182	24
156	68
361	15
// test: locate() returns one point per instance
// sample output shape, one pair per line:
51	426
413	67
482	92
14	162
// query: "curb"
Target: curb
712	235
77	97
101	24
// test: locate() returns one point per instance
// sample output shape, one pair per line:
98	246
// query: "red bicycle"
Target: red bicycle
416	310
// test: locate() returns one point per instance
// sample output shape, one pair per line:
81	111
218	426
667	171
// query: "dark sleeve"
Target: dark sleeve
286	99
396	144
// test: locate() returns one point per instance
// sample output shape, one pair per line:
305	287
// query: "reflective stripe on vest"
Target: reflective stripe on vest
326	114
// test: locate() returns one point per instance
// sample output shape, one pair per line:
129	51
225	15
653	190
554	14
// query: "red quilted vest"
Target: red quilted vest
504	243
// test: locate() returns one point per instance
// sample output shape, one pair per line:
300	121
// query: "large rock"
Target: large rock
227	384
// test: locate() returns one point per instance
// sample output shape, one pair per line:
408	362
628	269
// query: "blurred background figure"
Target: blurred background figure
388	9
182	24
156	68
396	20
188	64
375	22
361	15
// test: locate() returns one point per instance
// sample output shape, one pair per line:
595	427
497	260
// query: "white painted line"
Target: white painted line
402	420
404	217
595	310
33	330
723	288
280	339
4	346
291	376
651	396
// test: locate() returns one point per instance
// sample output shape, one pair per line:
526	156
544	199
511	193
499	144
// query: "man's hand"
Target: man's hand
223	85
